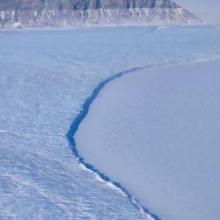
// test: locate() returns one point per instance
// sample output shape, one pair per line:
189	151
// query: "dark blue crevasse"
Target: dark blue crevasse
71	139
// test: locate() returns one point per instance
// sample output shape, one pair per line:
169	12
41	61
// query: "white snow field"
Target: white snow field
45	78
157	133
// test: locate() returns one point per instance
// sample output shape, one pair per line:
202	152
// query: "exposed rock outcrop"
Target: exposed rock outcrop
42	13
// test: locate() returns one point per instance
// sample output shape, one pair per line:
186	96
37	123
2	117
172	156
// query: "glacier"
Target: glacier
45	78
156	132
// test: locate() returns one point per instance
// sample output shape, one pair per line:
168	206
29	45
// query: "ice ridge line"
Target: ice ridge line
74	128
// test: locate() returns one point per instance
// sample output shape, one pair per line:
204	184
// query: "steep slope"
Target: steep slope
38	13
84	4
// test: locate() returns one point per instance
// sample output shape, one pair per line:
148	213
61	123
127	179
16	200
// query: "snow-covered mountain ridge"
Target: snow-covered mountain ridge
55	13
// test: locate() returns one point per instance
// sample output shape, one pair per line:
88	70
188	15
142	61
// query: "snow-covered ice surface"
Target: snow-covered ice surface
157	133
45	77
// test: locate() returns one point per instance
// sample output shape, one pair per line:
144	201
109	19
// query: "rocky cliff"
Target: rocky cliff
41	13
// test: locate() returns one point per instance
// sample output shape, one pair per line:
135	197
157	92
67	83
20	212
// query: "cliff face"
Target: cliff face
82	4
38	13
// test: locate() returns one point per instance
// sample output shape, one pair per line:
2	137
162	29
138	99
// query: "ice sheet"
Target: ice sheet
45	77
157	133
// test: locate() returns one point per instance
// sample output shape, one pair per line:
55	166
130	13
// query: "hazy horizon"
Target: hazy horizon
207	10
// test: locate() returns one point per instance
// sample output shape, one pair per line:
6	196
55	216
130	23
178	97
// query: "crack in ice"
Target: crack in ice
71	139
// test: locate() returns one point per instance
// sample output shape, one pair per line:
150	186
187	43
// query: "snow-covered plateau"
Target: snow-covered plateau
46	77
